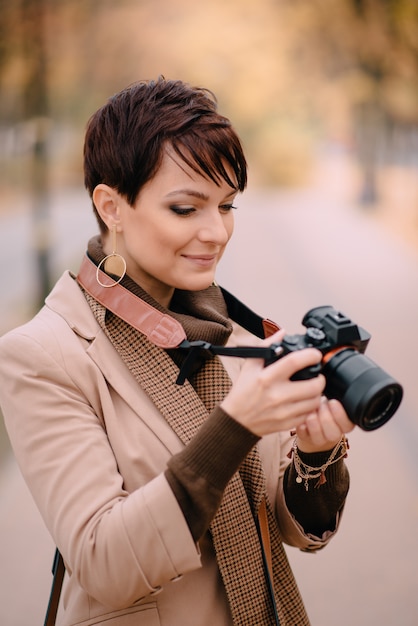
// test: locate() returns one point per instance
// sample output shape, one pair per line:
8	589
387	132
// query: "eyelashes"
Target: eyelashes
178	210
184	211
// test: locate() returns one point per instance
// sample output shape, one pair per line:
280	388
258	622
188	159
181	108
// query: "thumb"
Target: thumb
276	338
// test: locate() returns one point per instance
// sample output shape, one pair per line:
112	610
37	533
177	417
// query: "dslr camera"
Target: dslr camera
369	395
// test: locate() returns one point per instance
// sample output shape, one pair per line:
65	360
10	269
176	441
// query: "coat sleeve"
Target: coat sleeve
120	546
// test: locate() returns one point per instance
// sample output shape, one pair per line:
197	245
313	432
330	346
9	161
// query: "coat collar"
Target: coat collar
67	300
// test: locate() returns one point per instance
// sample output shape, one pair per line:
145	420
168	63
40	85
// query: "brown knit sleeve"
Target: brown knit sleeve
316	509
199	473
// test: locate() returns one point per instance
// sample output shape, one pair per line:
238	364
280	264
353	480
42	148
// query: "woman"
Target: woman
157	494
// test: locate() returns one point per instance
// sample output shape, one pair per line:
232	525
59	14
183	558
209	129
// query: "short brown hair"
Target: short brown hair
125	139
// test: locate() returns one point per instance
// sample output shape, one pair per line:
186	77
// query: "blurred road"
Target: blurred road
71	223
291	251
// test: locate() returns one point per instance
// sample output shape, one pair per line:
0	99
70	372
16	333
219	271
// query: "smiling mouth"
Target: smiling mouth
204	260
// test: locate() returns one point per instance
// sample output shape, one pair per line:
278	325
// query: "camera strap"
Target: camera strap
58	571
165	331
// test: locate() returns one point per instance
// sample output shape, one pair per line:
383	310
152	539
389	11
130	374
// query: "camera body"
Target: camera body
369	395
327	330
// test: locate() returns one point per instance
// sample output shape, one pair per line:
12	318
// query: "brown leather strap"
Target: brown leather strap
264	533
265	536
161	329
269	327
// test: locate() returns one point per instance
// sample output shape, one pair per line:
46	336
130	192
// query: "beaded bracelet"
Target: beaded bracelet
306	472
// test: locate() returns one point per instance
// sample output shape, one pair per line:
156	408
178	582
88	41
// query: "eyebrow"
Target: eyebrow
194	194
188	192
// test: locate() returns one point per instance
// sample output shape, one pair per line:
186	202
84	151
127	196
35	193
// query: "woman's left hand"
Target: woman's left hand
323	429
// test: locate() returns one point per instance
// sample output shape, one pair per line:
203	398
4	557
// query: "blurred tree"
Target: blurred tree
286	71
35	110
367	50
9	52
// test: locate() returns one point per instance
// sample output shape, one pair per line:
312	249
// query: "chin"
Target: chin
198	285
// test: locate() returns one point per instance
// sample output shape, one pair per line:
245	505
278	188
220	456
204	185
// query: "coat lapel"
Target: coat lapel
69	302
156	374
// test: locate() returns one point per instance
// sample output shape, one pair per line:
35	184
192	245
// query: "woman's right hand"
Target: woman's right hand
265	400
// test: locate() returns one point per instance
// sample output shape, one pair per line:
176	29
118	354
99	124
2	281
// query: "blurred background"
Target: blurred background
324	94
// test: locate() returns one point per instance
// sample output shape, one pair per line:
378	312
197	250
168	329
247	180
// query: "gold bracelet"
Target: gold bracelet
306	472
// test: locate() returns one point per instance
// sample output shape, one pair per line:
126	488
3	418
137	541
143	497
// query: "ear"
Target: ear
107	200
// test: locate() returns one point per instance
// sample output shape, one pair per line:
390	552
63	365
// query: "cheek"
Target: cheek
150	235
230	232
177	236
230	227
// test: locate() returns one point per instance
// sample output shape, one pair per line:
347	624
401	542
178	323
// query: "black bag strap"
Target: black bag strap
58	571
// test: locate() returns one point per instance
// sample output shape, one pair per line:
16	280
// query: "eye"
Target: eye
182	210
225	208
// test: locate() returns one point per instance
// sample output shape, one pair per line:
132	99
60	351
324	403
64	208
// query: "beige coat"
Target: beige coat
93	448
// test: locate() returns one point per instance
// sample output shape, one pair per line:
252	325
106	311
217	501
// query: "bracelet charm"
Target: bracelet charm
306	472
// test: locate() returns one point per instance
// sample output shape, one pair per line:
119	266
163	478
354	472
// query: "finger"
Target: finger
340	416
283	392
307	389
322	427
269	341
296	361
302	409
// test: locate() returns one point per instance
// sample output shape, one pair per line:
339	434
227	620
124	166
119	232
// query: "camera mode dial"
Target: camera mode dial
315	335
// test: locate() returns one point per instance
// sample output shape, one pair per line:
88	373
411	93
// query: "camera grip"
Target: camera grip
307	373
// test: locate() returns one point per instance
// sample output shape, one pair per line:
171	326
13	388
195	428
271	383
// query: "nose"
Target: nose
216	227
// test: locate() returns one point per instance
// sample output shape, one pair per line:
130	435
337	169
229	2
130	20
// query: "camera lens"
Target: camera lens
369	395
381	407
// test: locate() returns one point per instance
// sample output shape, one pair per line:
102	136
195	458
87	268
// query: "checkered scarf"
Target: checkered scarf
234	531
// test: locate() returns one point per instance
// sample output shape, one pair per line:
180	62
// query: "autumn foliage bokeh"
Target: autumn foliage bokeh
297	77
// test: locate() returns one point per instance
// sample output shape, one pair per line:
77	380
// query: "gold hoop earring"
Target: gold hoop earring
113	264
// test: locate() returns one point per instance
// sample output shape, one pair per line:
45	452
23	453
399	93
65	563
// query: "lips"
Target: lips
203	260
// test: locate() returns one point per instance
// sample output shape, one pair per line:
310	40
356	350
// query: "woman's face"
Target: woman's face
176	233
